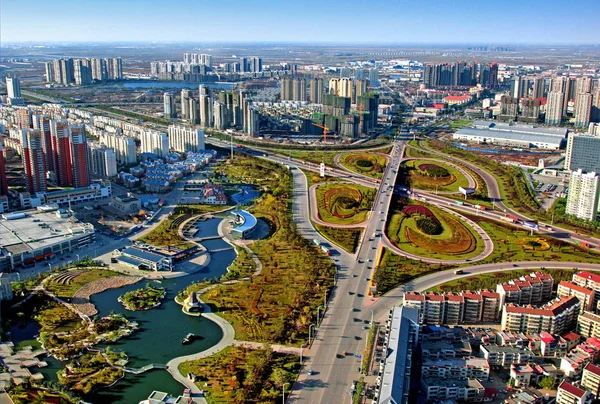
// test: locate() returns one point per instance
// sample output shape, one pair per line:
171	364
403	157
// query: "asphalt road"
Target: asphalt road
345	324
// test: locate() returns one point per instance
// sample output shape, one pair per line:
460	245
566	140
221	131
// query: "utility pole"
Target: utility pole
231	145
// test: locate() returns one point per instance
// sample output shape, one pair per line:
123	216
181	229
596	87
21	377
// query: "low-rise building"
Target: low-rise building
589	280
590	379
469	390
141	258
126	204
534	289
588	325
505	356
572	364
571	394
35	235
5	287
521	374
455	368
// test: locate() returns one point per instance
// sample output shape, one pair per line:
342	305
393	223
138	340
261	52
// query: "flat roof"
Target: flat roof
392	383
519	127
26	234
130	260
144	254
249	220
508	135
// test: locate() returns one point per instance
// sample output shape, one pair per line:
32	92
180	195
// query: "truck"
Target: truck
511	219
461	203
531	225
480	207
459	272
239	146
317	242
326	250
583	243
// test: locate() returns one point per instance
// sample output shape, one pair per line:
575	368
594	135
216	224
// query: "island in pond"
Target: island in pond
143	299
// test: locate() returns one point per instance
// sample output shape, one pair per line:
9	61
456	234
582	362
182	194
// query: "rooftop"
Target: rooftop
576	287
588	276
521	128
247	217
143	254
516	136
569	388
27	234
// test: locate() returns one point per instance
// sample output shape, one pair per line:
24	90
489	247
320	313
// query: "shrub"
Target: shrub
364	163
428	226
347	202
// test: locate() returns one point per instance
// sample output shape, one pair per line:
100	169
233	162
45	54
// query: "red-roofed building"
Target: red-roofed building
557	317
585	295
535	289
570	394
590	379
454	308
588	325
589	280
458	99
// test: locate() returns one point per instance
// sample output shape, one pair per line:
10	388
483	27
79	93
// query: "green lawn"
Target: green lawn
394	270
507	250
375	168
489	281
348	239
167	233
356	214
428	183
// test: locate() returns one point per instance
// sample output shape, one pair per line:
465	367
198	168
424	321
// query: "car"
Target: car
350	292
360	295
310	372
515	265
358	338
356	320
367	279
365	327
353	275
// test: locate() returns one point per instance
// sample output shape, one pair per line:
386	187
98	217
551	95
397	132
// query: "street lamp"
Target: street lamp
77	255
318	311
310	330
283	387
371	318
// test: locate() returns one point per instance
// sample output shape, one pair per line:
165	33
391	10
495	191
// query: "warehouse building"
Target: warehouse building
513	135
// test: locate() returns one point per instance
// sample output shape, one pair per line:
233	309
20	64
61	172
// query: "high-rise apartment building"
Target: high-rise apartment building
583	85
186	95
206	110
583	109
554	107
13	87
124	147
539	87
103	161
33	160
219	115
193	111
169	105
184	138
154	142
595	113
42	122
582	153
519	87
61	151
79	157
582	201
3	180
299	90
316	90
82	71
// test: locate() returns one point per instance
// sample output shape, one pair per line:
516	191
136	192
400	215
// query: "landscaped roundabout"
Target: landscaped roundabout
429	232
433	175
370	164
341	203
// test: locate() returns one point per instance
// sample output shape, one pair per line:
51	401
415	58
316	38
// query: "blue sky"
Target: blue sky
352	21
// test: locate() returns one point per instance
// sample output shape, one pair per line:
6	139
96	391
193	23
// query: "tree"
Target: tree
547	383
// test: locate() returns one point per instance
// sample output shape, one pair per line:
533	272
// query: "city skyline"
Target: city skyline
534	22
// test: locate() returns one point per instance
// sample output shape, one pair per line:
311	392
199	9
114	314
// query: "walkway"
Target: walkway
289	350
226	340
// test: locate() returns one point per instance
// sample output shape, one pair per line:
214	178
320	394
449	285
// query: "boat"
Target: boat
188	339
